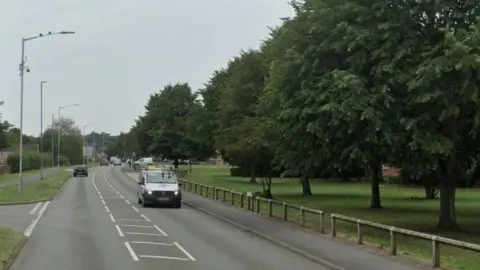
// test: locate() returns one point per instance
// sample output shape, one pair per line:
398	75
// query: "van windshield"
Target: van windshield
161	177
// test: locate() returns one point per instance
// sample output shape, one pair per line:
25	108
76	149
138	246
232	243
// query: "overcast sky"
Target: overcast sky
122	52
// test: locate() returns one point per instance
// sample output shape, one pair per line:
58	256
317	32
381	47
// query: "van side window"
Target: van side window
141	160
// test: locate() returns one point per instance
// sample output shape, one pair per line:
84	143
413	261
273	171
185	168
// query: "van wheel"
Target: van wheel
139	201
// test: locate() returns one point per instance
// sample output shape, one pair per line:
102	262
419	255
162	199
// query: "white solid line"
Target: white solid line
160	230
35	208
135	208
151	243
141	233
112	218
145	218
119	231
138	226
106	208
130	250
163	257
184	251
130	219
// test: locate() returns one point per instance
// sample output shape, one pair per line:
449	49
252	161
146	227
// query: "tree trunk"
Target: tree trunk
175	163
252	175
306	188
375	188
447	220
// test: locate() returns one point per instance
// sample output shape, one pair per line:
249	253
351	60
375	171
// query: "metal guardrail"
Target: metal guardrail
259	205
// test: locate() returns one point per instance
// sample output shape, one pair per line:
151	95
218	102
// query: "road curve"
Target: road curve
95	223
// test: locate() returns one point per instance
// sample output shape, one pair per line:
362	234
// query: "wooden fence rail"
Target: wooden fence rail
257	204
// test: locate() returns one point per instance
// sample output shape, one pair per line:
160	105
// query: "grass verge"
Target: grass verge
11	241
34	191
352	199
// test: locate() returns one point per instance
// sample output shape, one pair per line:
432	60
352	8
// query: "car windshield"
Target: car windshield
161	177
81	167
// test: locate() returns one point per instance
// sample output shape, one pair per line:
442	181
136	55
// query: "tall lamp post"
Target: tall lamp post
41	128
53	144
85	140
60	129
22	69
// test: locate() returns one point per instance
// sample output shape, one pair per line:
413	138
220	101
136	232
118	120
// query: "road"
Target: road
95	223
20	216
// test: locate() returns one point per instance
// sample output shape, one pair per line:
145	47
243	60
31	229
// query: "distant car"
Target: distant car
103	162
117	162
80	170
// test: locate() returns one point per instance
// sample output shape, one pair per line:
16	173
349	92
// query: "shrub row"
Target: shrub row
32	161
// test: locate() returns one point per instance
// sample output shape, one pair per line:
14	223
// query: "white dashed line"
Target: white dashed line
184	251
130	219
160	230
137	226
35	208
106	208
141	233
29	229
103	201
151	243
163	257
135	208
112	218
119	231
128	202
145	218
130	250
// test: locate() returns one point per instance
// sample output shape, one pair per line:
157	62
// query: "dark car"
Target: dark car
103	162
80	170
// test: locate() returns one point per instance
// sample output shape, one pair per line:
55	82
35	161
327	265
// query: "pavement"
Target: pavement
96	223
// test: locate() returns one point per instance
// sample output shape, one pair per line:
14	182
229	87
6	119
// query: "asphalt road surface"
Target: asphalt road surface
96	223
21	216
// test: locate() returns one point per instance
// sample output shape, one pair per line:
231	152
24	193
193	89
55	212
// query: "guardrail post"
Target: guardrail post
359	232
322	224
334	225
249	202
270	210
233	196
302	215
224	195
435	252
195	188
257	199
285	211
242	201
215	193
393	241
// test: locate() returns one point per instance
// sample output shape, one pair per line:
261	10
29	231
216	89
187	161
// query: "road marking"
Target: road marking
112	218
102	201
130	219
130	250
160	230
184	251
163	257
108	194
119	231
141	233
135	208
138	226
128	202
145	218
29	229
151	243
111	198
121	196
35	208
106	208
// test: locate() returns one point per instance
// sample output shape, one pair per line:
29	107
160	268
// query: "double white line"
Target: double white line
43	208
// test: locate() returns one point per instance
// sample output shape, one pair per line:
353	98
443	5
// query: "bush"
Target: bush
32	161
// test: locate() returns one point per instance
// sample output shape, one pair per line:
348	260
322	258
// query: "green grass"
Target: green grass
352	199
34	191
10	240
5	178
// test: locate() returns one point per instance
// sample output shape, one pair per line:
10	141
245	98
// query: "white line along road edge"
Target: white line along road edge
29	229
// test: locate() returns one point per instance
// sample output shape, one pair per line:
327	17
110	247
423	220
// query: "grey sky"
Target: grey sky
123	51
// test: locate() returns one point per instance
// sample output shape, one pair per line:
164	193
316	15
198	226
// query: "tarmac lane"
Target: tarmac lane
187	239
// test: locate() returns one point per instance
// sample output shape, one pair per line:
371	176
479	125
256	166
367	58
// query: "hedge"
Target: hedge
32	161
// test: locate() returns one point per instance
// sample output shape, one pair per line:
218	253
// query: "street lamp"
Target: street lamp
60	129
22	69
85	140
41	128
52	128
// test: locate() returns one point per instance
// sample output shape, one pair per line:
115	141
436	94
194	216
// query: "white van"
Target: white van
143	162
158	186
